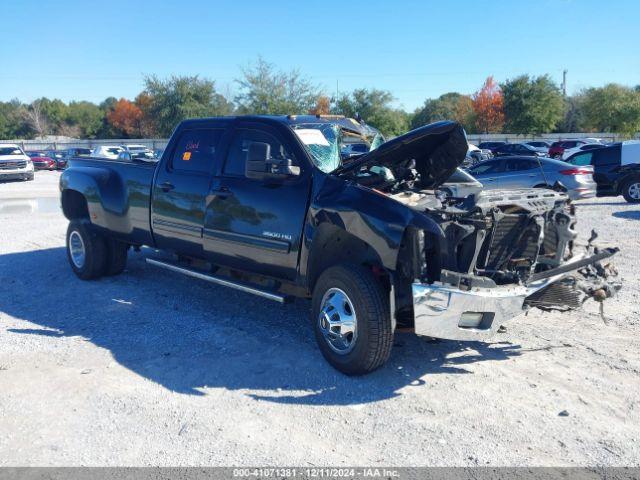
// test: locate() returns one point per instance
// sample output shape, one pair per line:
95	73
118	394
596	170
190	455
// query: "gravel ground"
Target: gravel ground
151	368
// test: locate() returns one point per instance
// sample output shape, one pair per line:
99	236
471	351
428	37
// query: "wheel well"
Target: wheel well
334	246
623	181
74	205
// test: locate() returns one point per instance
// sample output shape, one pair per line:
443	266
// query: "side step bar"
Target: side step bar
243	287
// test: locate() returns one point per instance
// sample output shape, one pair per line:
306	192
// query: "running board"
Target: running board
243	287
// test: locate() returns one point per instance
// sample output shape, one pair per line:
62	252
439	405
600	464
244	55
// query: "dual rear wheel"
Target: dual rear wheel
92	255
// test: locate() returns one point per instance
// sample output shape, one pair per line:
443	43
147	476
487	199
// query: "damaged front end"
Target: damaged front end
510	251
498	252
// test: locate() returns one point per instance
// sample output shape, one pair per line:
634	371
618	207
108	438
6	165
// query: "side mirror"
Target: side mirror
260	165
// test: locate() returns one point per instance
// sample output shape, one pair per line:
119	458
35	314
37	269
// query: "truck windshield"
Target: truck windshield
323	141
10	151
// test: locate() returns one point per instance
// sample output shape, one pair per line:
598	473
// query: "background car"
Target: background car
353	149
581	148
60	158
514	173
14	163
138	152
518	149
460	185
77	152
107	151
41	161
539	145
491	146
557	148
478	154
617	170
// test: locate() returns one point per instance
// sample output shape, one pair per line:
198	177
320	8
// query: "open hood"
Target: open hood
437	149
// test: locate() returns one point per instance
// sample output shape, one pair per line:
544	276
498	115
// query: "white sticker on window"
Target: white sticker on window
311	136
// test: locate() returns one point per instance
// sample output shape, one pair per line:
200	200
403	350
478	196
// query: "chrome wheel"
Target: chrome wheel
337	321
634	191
76	249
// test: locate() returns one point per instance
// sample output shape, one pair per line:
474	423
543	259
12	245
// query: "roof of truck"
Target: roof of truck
340	120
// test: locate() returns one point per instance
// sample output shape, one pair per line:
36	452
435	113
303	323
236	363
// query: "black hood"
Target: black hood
438	149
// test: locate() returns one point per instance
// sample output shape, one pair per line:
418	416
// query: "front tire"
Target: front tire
351	319
631	190
86	250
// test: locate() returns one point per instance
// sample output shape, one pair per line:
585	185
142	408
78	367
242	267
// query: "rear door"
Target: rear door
180	190
606	166
521	173
256	225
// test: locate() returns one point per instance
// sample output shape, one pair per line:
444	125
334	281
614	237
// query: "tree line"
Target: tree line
524	104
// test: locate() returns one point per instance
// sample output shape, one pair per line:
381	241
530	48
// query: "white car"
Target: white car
14	163
580	148
107	151
137	152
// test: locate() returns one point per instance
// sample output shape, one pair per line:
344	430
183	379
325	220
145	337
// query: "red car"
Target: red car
41	161
557	148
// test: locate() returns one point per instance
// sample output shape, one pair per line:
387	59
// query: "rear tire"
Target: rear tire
347	295
631	190
86	250
116	256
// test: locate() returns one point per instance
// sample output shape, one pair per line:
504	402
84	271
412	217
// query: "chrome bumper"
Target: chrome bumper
440	308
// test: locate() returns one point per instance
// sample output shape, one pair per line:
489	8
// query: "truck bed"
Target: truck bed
121	198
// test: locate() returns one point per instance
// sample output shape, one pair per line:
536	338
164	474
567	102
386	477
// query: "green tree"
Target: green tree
374	107
12	124
532	105
572	121
180	97
86	117
450	106
265	90
612	108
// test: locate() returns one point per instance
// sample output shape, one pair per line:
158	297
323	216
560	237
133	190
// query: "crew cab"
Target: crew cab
266	205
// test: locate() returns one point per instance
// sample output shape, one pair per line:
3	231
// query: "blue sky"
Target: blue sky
85	50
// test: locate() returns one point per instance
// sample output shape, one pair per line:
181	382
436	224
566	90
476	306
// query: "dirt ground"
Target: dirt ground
150	368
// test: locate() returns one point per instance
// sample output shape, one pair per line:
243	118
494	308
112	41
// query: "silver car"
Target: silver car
513	173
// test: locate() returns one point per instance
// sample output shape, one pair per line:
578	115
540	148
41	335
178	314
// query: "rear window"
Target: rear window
581	159
196	150
486	167
606	156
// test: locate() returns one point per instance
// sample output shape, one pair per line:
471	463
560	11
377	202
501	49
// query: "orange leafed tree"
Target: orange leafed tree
125	116
487	105
323	106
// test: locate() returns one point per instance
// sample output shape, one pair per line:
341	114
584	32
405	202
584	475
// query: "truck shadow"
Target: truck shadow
628	214
190	336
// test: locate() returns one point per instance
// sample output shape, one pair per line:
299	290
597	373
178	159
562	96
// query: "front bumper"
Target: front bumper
13	174
440	309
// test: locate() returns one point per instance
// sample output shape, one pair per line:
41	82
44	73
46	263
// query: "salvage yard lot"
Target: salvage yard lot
151	368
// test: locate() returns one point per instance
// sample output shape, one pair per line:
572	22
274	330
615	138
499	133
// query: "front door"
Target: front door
256	225
180	191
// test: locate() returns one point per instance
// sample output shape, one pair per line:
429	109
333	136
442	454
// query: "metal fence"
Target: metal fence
161	143
153	143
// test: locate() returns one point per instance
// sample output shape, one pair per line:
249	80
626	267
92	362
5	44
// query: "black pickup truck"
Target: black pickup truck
265	204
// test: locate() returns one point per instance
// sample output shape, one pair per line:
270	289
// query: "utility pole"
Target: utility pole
564	82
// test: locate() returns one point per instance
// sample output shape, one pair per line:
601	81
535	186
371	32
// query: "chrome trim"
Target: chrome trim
219	281
438	307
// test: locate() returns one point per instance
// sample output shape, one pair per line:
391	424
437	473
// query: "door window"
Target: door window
518	165
238	150
195	150
486	168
